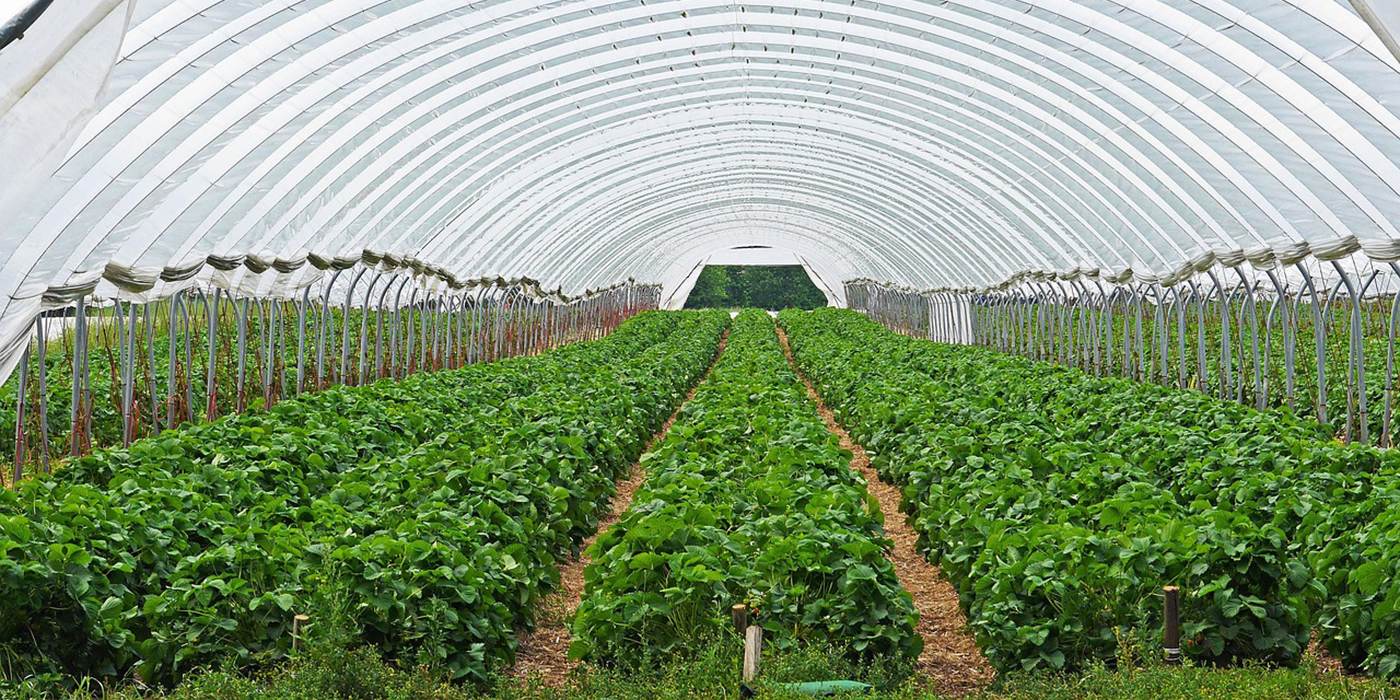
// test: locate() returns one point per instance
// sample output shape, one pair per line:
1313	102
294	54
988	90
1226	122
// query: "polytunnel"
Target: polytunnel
350	348
165	158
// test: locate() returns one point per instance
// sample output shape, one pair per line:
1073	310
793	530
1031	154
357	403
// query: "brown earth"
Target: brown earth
950	663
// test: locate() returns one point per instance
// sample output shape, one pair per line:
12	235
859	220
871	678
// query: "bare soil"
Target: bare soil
544	653
950	663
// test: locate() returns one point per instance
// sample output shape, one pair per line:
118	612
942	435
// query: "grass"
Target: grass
359	674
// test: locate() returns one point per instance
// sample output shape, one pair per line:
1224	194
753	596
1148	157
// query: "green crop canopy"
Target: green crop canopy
263	146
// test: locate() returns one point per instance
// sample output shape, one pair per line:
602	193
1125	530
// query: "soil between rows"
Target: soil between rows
950	663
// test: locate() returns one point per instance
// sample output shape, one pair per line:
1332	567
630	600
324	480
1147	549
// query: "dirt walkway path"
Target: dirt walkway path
951	662
545	652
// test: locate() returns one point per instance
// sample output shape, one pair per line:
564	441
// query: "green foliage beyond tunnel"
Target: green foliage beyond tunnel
754	286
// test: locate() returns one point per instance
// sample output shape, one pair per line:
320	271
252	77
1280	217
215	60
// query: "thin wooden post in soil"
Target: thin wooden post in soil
740	613
1171	624
297	622
753	649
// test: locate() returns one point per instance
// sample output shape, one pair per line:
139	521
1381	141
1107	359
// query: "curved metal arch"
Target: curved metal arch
433	178
370	227
662	201
1148	189
792	234
609	152
698	154
1138	69
811	221
615	153
849	238
1318	16
809	233
679	221
14	28
1286	87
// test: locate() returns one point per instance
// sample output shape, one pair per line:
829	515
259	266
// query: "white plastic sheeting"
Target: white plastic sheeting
932	144
50	84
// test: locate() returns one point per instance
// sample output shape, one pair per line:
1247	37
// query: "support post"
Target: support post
42	342
129	378
753	650
79	408
1171	624
20	410
1320	343
1356	362
211	392
242	396
172	361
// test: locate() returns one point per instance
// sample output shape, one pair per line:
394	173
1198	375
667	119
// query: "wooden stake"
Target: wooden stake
296	629
740	614
1171	624
753	649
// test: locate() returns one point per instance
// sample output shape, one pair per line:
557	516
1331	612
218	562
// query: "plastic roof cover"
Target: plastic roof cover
582	142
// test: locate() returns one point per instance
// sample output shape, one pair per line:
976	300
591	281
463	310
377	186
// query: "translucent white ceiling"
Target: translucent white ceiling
581	142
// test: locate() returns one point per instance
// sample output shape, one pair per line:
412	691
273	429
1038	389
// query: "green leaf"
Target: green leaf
1368	578
645	560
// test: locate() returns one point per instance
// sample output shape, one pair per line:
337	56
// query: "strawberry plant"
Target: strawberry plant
1059	503
440	504
748	499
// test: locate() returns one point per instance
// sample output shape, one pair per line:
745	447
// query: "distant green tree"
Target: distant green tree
803	294
760	286
744	281
711	289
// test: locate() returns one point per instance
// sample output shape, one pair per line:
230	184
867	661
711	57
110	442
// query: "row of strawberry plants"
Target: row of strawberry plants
430	512
1059	503
1337	505
748	499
